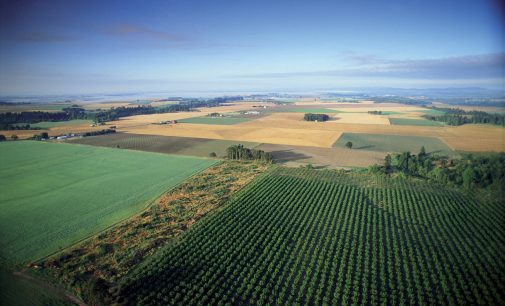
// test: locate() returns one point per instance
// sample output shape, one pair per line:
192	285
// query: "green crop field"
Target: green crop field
215	120
53	195
418	122
432	112
306	237
393	143
164	144
17	291
49	124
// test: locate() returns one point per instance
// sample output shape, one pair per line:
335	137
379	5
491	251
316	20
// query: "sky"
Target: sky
84	47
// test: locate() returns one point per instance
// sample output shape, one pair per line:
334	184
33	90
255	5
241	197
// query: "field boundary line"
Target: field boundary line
147	205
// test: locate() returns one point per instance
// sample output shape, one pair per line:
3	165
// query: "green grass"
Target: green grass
215	120
432	112
393	143
49	124
53	195
16	291
417	122
390	113
307	110
306	237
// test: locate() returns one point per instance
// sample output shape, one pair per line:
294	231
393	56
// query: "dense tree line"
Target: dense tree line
469	171
71	113
316	117
32	117
17	127
239	152
456	116
101	132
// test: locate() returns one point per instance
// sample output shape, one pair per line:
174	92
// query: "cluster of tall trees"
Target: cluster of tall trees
316	117
239	152
456	116
469	171
375	112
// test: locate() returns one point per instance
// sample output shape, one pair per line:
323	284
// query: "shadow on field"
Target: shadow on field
365	147
288	155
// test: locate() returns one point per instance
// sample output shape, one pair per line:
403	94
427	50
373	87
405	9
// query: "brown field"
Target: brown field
322	157
359	118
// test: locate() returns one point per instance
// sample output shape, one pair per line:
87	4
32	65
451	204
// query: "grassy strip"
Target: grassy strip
416	122
113	253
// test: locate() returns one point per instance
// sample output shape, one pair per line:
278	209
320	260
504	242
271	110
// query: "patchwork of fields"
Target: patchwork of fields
53	195
163	144
322	237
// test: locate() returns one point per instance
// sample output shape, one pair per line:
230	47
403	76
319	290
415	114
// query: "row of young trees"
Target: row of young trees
306	237
239	152
456	116
468	171
316	117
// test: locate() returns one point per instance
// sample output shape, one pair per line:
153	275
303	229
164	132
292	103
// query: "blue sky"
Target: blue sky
80	47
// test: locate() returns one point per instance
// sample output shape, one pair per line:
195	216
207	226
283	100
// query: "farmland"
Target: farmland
314	110
163	144
138	237
417	122
393	143
53	195
48	124
215	120
323	237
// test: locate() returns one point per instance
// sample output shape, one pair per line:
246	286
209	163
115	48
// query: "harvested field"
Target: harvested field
215	120
242	132
163	144
291	129
475	138
359	118
54	194
393	143
322	157
416	122
488	109
313	110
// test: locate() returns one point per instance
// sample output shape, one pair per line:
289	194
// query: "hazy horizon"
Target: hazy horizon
62	47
